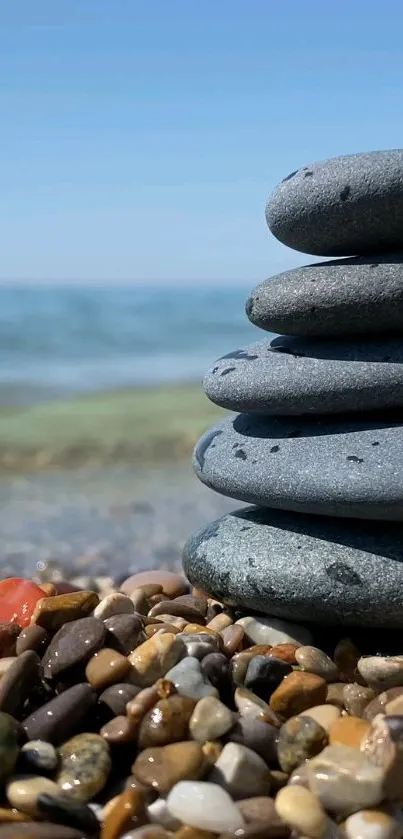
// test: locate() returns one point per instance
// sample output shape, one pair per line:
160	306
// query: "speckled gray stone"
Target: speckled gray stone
303	568
305	376
348	466
341	297
341	207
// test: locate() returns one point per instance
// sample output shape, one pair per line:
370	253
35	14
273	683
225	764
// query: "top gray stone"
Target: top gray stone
345	206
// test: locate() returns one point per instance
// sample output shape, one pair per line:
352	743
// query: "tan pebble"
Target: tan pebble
173	607
378	704
108	807
348	731
152	659
346	658
220	622
160	627
383	746
141	603
114	604
49	589
188	832
198	629
53	612
314	660
335	694
119	730
210	719
172	620
85	764
381	672
163	767
233	637
356	698
300	776
394	708
143	702
107	667
325	715
302	811
345	781
165	688
173	585
166	722
125	812
5	663
212	750
298	692
23	791
284	652
372	824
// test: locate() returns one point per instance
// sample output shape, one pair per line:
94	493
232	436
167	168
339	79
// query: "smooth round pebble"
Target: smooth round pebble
316	661
372	824
23	791
187	676
210	720
299	739
85	764
302	811
204	805
107	667
242	772
40	755
114	604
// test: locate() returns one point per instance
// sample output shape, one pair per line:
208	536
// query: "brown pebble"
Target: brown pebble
142	702
17	683
335	694
120	729
195	601
9	633
152	659
8	815
167	722
160	627
239	664
262	809
233	637
151	588
172	620
348	731
302	811
313	660
299	739
59	719
49	589
106	667
165	688
297	692
346	658
181	610
188	832
325	715
285	652
32	638
140	601
162	768
53	612
173	585
220	622
127	813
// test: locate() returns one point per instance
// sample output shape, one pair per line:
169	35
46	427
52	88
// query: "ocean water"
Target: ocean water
61	341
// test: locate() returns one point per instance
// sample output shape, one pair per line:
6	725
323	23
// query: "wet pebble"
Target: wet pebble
9	633
116	697
34	638
250	705
187	676
53	612
344	780
302	811
382	703
114	604
204	805
106	667
215	670
242	772
55	808
22	792
348	731
152	659
198	646
265	674
260	630
21	677
298	692
381	672
257	735
60	718
127	813
85	764
299	739
163	767
166	722
233	637
325	715
357	698
173	585
373	824
39	755
9	747
73	646
314	660
382	744
124	633
210	719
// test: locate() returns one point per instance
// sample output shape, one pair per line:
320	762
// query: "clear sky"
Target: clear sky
139	139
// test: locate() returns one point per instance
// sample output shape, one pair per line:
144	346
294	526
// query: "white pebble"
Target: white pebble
204	805
114	604
188	679
158	813
372	824
274	631
242	772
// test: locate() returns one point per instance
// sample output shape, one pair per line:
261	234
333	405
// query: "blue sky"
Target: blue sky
140	138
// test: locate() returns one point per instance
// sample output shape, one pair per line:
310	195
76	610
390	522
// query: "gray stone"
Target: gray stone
302	568
336	298
295	376
341	207
343	467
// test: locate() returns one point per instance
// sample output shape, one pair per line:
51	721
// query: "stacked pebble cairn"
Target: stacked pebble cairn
150	710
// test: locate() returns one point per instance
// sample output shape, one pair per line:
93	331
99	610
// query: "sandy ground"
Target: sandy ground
102	521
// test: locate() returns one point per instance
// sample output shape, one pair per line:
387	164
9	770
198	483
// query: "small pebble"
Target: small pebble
119	730
181	610
257	735
32	638
335	694
114	604
173	585
345	781
70	813
9	748
72	646
23	791
372	824
261	809
21	677
117	696
325	715
204	805
302	811
166	722
316	661
124	633
39	755
59	719
348	731
140	601
9	633
284	652
382	744
210	719
346	658
265	674
106	667
85	764
163	767
241	772
198	646
274	631
53	612
128	812
299	739
215	670
233	637
298	692
380	704
152	659
381	672
187	676
357	698
220	622
250	705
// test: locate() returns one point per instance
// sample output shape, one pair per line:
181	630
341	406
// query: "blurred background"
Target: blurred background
139	141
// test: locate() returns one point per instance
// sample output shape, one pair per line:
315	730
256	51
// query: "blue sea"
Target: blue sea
64	341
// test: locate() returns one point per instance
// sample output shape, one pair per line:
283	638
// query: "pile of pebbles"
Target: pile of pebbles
157	712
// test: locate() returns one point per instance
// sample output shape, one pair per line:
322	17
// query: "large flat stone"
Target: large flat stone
296	376
341	297
304	568
349	466
341	207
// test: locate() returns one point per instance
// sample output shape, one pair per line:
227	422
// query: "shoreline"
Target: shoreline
147	425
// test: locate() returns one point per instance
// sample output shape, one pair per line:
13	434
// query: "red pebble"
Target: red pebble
18	598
